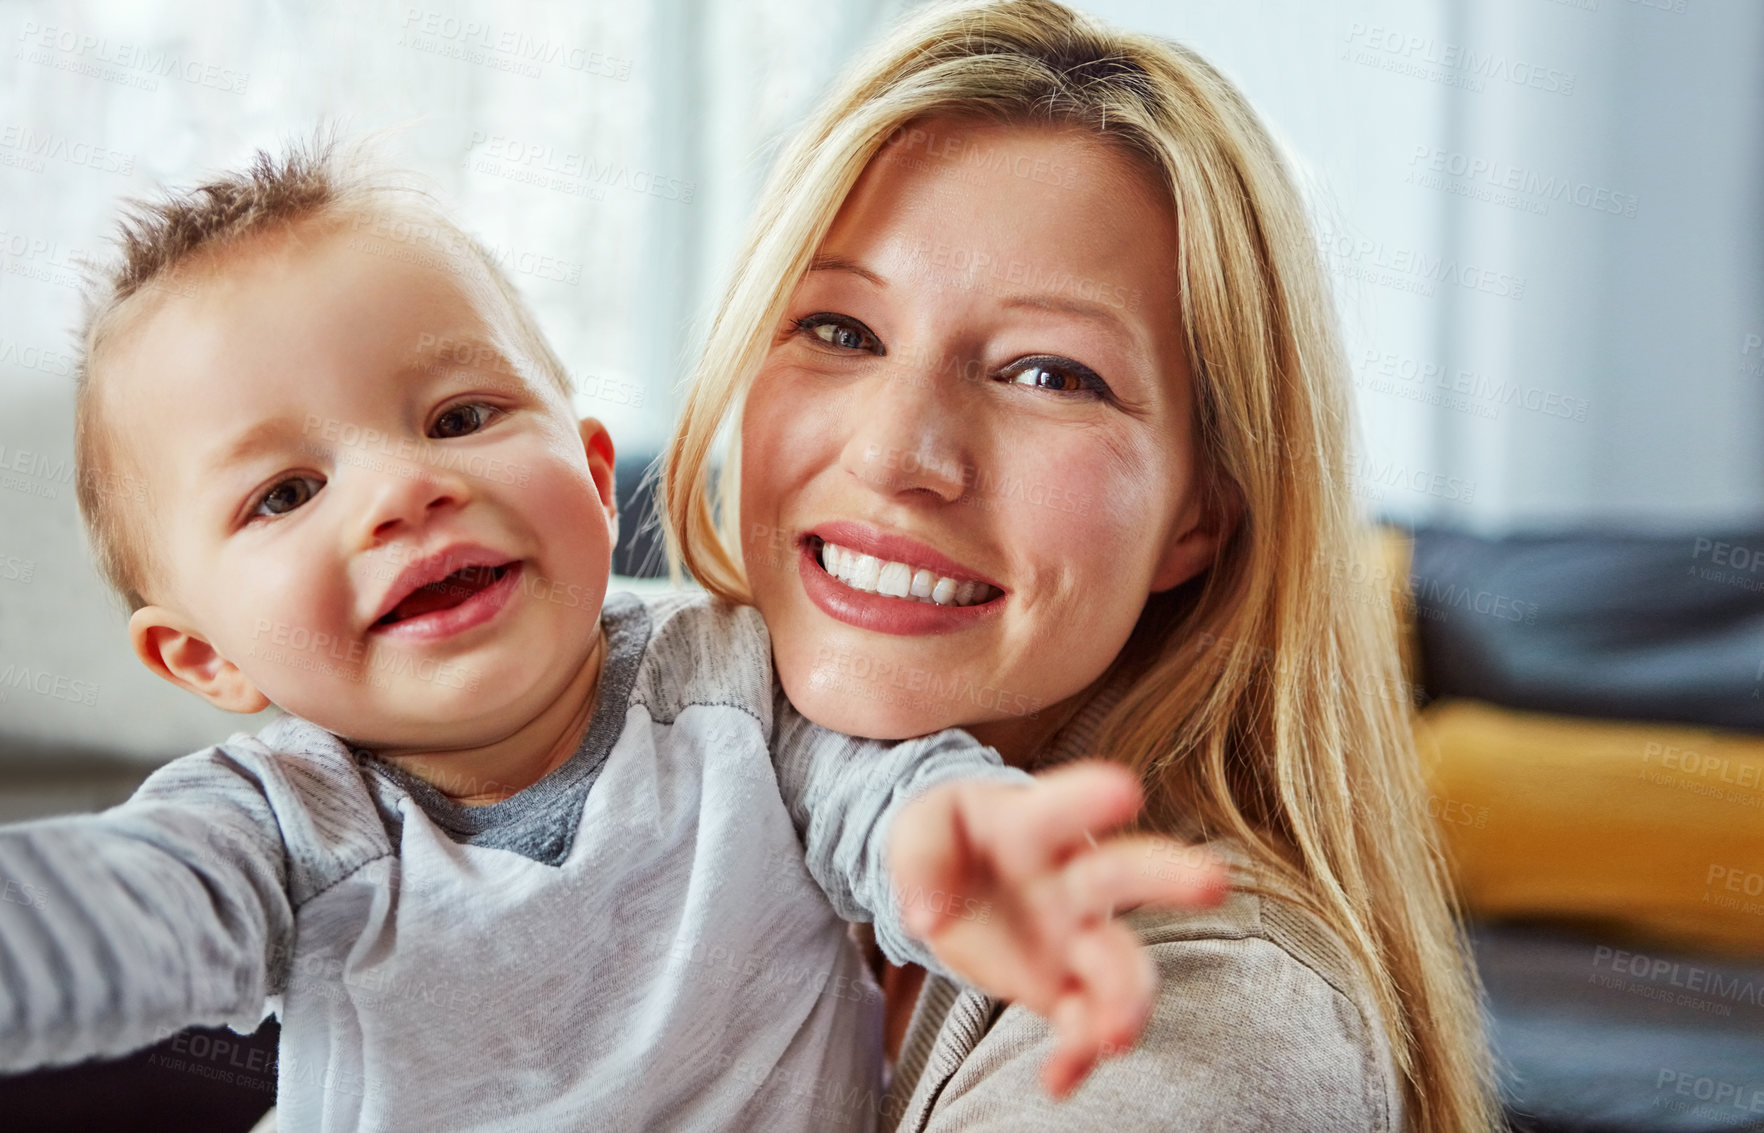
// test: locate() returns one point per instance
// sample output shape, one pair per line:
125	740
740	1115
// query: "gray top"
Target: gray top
640	940
1262	1023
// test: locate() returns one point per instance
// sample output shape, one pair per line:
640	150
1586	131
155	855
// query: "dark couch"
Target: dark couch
1603	1020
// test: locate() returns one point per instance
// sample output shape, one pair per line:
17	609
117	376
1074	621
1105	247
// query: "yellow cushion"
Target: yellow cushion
1654	831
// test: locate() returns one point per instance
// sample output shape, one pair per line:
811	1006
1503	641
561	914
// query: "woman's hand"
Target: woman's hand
1009	890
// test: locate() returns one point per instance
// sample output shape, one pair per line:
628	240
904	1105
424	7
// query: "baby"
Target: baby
515	854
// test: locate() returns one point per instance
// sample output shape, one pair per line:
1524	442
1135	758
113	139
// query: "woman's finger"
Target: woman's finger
1052	819
1146	870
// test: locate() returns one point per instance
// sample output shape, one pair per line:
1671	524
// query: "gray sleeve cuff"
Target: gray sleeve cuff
843	794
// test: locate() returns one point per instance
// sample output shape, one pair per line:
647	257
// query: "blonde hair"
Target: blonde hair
1286	738
162	243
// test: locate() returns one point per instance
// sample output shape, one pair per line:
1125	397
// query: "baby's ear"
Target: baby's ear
597	442
170	647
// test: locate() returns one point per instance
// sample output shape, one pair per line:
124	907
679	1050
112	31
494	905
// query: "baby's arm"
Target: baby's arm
843	792
118	929
994	870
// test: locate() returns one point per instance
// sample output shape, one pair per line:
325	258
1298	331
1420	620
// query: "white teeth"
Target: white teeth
895	580
901	580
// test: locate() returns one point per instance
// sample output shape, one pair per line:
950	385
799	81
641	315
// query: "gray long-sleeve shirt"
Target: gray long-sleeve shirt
637	941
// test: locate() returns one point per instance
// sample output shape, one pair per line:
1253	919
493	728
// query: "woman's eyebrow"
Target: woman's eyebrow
825	262
1082	308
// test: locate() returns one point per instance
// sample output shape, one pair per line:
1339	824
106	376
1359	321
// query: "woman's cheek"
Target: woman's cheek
1074	505
789	430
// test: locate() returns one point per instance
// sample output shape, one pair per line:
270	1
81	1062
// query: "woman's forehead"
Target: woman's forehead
1016	191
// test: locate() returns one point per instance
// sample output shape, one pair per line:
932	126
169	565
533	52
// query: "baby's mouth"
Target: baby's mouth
871	575
445	593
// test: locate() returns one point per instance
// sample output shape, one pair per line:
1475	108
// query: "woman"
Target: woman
1042	432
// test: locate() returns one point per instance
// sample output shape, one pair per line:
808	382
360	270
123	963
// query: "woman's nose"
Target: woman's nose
909	434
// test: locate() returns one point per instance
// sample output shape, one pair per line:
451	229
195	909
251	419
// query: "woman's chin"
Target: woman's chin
864	707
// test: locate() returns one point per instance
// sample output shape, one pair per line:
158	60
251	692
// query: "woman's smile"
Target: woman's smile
890	583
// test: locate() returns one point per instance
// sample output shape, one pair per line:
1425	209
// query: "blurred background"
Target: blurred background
1545	221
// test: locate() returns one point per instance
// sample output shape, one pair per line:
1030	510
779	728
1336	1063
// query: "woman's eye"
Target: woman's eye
1061	375
461	420
841	333
286	495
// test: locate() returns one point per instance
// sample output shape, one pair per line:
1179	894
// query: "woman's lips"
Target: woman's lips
476	609
881	612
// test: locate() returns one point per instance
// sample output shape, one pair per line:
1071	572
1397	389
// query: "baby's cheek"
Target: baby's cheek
563	500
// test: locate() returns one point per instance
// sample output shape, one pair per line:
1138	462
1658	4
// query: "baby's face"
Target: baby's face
356	499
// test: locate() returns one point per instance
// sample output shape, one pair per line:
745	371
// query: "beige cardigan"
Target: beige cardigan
1262	1022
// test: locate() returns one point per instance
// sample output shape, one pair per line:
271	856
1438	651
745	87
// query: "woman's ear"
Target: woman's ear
167	645
597	443
1196	537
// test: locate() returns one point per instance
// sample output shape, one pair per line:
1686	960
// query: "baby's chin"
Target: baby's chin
450	709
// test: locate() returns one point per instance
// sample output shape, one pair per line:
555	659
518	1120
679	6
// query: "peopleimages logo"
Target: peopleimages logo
131	64
1692	980
477	41
55	363
1410	269
1475	68
569	171
1543	188
41	144
925	147
894	683
56	686
1486	395
371	448
974	269
1732	563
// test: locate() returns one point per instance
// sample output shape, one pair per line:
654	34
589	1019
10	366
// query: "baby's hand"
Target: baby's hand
1006	887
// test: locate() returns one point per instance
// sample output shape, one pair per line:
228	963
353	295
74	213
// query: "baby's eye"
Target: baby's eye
840	332
286	495
1059	375
461	420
